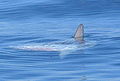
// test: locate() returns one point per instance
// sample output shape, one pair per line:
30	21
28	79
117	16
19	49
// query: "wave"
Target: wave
50	9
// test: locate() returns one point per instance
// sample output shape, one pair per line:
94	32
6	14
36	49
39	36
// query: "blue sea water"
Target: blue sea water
34	22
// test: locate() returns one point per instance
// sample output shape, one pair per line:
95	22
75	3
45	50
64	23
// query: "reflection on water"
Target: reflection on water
32	24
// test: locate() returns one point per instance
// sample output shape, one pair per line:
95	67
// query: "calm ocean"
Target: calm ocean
47	23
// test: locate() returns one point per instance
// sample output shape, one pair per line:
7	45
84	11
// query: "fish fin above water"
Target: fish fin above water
79	34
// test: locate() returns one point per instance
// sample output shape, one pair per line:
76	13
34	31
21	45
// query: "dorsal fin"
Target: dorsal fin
79	34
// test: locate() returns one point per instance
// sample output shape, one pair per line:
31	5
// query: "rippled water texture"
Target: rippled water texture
26	25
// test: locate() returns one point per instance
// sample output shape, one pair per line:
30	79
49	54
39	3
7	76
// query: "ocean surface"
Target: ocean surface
27	25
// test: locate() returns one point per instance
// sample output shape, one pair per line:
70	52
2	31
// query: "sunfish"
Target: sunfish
70	44
65	47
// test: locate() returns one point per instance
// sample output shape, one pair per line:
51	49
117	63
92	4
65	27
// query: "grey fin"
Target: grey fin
79	34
